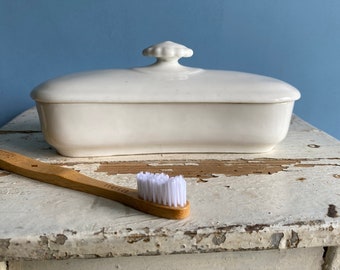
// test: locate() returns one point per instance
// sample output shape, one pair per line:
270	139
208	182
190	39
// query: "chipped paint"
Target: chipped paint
162	241
275	239
293	241
255	228
43	240
202	169
4	173
4	243
332	212
312	145
60	239
133	238
205	169
219	238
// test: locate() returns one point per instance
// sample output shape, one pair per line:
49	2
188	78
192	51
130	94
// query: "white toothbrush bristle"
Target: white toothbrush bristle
162	189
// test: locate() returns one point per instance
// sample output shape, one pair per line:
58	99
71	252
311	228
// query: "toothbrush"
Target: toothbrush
157	194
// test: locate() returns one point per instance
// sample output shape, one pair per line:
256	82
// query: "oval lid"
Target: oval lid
165	81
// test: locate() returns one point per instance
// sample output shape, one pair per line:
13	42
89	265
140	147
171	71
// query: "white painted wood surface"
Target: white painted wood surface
293	206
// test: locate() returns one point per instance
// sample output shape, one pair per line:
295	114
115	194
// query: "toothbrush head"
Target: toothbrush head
161	189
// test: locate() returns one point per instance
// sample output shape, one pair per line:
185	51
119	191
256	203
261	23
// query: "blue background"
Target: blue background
295	41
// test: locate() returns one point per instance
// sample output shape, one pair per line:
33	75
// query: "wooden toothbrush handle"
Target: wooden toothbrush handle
60	176
68	178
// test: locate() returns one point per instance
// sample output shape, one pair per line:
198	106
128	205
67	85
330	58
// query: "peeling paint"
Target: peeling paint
191	234
146	242
201	169
332	212
60	239
133	238
206	169
316	222
43	240
275	239
219	239
4	173
312	145
255	228
4	243
293	241
70	231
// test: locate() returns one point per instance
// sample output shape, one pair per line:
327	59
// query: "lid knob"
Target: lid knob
168	51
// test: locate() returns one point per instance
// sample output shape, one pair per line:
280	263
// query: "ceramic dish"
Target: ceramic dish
165	107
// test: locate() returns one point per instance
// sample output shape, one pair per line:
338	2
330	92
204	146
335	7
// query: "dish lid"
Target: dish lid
165	81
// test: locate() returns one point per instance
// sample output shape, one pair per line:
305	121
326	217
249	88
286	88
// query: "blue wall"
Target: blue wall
295	41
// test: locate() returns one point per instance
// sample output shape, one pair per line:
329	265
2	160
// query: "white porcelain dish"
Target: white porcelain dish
165	107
